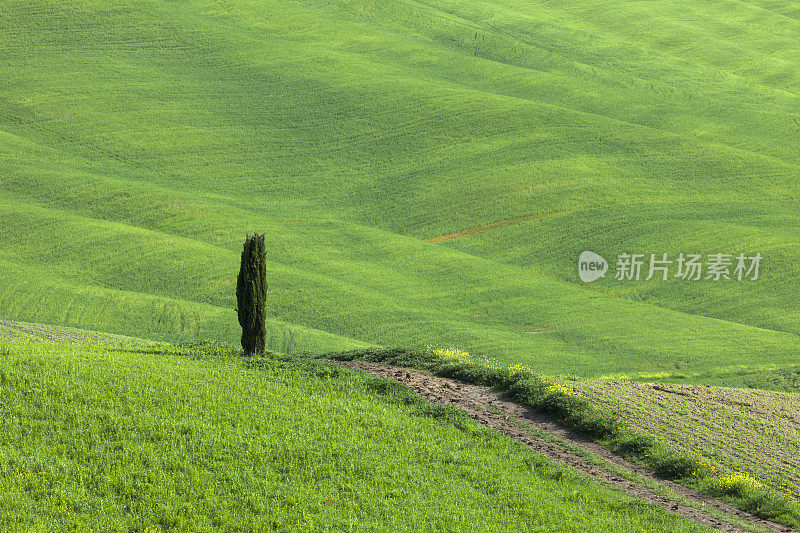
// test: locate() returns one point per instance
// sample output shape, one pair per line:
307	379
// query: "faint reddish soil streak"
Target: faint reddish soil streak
475	401
492	226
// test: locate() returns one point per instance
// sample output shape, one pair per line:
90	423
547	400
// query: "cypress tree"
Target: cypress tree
251	295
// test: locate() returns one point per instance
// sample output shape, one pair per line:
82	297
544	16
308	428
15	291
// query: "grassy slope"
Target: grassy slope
715	439
114	439
140	144
737	431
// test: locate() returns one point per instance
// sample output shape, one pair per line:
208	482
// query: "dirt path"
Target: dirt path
492	226
475	401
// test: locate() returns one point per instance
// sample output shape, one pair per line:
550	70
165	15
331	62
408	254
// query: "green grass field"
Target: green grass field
426	174
99	438
141	143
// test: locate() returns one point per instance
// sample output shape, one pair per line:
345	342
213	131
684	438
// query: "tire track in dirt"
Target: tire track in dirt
475	400
492	226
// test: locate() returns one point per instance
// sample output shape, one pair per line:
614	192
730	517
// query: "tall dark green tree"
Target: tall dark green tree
251	295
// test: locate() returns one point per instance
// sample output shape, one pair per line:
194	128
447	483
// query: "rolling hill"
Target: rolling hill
140	143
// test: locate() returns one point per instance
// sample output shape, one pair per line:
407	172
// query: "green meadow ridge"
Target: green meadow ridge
140	143
130	438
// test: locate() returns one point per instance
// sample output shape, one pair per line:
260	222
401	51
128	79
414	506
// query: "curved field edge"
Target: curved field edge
52	300
750	437
545	436
601	425
196	437
37	332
